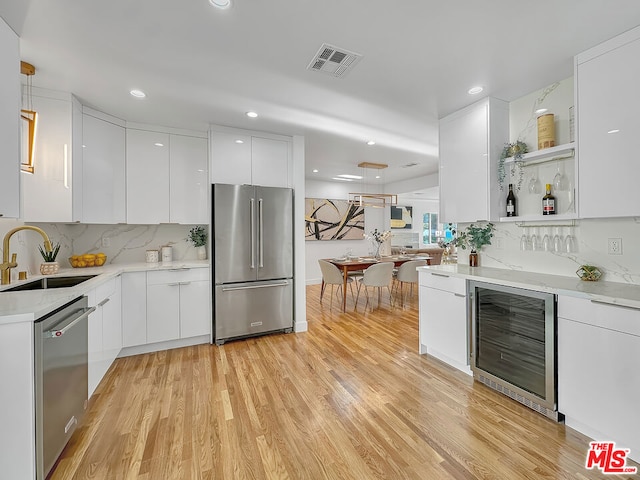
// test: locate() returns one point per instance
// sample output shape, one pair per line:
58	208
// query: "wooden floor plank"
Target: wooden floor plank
349	399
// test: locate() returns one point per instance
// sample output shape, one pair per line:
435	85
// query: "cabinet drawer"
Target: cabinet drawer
102	291
178	275
443	281
614	317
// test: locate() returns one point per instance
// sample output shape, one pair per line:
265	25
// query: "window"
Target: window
430	228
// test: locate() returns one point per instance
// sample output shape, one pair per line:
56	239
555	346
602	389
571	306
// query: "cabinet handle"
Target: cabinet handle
459	295
179	269
602	302
439	275
173	284
103	302
185	283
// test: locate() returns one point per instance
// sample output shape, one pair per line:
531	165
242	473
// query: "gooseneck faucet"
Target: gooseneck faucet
7	265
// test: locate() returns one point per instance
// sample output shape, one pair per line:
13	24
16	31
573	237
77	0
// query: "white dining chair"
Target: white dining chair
378	276
407	273
331	275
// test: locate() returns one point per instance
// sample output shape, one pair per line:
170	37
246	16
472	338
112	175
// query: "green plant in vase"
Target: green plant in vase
475	237
516	150
50	266
198	236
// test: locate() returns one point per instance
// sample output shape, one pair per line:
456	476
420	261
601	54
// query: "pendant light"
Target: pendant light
29	121
369	197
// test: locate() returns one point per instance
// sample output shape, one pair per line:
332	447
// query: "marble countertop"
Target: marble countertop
29	305
622	294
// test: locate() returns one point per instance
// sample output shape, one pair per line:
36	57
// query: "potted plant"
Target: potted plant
516	150
198	236
474	237
50	266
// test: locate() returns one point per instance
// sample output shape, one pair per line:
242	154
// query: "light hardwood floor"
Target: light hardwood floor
349	399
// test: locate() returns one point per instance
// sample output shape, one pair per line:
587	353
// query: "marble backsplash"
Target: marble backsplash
121	243
592	249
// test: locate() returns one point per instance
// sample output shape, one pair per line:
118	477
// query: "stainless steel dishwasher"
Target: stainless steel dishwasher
60	352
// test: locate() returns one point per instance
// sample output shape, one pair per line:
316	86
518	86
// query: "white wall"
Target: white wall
420	207
374	218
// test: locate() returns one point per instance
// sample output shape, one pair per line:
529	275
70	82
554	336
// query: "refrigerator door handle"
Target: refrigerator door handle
253	233
260	234
251	287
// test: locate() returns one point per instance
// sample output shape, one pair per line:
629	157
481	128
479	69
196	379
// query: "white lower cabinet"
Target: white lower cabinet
105	330
134	309
444	331
598	375
177	304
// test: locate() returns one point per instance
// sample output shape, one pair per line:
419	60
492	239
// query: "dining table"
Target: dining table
355	264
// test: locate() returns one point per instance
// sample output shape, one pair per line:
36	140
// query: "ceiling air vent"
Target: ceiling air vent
333	60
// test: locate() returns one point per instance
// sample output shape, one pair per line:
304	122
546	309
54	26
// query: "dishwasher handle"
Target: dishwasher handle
62	331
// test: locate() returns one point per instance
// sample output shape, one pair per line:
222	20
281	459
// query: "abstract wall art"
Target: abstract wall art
401	217
327	219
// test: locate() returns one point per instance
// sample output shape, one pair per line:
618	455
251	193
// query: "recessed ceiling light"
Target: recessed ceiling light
220	3
371	142
615	130
343	179
475	90
239	141
377	176
315	170
138	93
252	114
541	110
159	144
352	177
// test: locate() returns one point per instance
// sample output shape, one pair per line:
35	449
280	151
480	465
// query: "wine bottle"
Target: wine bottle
511	202
548	202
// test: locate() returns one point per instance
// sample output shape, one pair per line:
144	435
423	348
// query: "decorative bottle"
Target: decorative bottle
511	202
548	202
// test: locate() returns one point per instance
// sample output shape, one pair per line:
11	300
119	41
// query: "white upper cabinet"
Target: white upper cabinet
242	157
608	122
103	169
230	158
471	140
188	180
47	193
147	177
166	178
9	122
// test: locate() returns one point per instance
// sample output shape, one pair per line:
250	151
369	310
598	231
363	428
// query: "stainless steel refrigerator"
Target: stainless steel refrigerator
252	260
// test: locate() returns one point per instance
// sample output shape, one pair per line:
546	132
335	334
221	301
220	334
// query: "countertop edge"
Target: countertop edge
621	294
28	306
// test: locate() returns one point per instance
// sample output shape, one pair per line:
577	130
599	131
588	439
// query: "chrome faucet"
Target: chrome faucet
7	265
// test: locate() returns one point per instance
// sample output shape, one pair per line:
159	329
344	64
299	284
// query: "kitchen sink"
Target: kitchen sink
50	282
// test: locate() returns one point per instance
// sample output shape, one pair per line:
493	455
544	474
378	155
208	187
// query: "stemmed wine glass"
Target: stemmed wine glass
558	246
570	243
534	183
535	241
546	242
559	183
524	242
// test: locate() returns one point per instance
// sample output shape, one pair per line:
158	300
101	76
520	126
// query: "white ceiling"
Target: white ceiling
200	65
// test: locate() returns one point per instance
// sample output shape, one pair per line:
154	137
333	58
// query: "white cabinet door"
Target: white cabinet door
147	177
270	162
103	176
9	122
608	123
195	318
134	309
230	158
189	184
112	325
598	375
444	331
470	144
163	312
47	194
